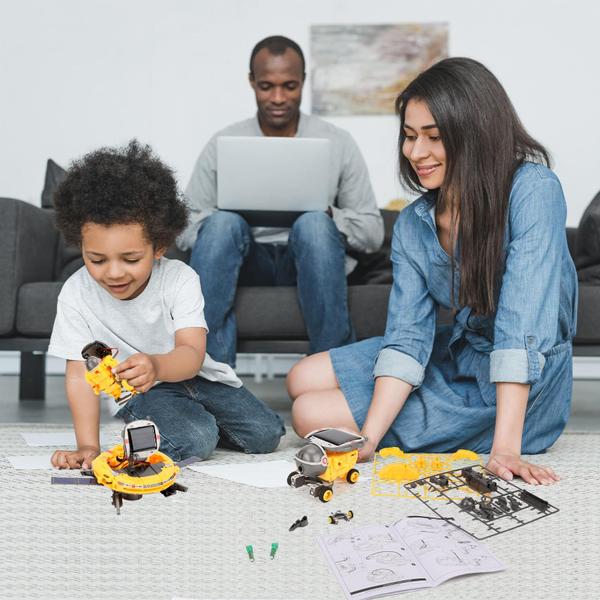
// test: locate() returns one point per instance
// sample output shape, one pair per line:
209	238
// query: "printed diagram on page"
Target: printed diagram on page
415	552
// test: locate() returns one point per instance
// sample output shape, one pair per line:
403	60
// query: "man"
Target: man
311	255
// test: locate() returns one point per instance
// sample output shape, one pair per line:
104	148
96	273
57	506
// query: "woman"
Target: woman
486	239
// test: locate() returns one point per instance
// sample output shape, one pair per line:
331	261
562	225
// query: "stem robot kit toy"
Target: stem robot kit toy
330	454
132	469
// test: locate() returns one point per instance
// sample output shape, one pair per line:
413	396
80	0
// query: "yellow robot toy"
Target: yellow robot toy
133	468
330	454
99	363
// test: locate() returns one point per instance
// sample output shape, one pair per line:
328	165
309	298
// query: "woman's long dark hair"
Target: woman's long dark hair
485	142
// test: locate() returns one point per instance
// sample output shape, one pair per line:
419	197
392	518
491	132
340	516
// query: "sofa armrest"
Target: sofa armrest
28	241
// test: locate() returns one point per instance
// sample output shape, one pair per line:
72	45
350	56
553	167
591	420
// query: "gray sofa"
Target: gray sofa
34	262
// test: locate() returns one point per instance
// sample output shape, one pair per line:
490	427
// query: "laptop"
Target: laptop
271	181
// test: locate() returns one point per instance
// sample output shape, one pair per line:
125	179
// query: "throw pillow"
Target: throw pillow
54	175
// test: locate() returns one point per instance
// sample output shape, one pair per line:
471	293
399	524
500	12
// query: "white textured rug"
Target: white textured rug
68	542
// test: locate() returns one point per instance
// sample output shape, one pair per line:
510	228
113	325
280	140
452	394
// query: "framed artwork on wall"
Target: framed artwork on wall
361	69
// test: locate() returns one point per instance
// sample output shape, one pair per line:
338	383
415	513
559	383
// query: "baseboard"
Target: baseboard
586	367
271	365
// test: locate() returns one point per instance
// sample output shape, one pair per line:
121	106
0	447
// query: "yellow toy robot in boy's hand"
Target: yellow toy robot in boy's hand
99	362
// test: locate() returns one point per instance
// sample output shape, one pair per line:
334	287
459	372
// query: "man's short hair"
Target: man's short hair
277	44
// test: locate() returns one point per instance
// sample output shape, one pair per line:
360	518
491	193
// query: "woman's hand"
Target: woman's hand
507	465
367	452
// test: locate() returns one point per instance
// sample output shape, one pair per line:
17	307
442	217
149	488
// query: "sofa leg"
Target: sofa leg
32	378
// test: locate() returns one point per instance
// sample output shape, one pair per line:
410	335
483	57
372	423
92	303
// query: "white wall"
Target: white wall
76	74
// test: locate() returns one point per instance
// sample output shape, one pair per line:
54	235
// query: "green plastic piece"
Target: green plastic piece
274	547
250	552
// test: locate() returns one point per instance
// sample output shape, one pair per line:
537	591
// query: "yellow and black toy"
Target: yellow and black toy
134	468
99	363
330	455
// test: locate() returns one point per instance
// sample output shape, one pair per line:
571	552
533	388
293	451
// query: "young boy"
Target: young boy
121	206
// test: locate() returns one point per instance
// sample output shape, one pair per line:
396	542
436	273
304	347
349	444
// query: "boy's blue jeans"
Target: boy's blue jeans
225	255
197	415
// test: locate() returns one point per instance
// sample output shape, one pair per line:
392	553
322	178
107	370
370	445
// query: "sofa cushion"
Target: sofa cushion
258	310
260	315
36	308
588	315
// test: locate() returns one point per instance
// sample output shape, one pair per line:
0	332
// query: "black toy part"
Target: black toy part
96	349
478	482
534	501
303	522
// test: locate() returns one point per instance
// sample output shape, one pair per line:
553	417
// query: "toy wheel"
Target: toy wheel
289	478
331	520
352	476
350	514
324	493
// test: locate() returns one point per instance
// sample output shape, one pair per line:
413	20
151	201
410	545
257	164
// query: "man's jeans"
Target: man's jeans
225	255
195	416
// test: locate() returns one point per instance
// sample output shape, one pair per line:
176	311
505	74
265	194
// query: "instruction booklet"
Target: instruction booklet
413	553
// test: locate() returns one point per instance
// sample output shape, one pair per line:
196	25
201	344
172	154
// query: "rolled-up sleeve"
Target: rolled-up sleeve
528	306
410	328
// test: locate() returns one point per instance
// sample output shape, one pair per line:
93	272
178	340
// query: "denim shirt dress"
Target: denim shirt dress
454	369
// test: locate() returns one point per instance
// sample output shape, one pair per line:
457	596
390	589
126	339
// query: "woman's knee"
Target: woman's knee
305	415
311	373
295	380
316	410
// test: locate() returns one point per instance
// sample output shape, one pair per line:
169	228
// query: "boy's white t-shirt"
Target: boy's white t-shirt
172	300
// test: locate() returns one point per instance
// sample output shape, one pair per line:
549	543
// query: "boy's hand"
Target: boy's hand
74	459
139	371
507	465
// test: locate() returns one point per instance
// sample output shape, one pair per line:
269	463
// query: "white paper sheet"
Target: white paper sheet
59	439
416	552
267	474
41	461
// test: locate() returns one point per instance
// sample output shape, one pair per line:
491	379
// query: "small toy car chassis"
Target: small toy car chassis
338	515
330	454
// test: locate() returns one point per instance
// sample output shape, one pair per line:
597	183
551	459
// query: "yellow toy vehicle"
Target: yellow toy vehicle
99	362
133	468
330	455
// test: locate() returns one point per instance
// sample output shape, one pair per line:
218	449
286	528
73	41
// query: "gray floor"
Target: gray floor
585	415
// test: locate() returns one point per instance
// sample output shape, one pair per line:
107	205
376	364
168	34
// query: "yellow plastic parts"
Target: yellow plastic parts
109	470
392	468
102	379
392	451
398	472
340	464
466	454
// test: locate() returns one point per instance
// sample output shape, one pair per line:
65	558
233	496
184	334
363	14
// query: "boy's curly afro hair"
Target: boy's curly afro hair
121	186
